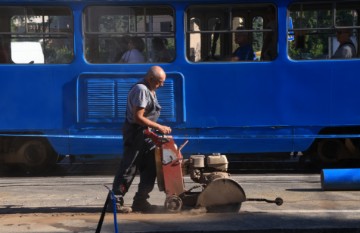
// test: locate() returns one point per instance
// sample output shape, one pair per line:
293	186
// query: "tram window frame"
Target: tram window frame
324	20
106	44
200	44
36	35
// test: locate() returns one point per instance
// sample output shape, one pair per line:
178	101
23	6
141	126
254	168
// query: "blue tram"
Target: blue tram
64	77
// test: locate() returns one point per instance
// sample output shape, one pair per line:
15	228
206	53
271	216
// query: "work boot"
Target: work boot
144	206
119	202
119	199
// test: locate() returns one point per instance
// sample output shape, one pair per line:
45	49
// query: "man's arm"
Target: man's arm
142	120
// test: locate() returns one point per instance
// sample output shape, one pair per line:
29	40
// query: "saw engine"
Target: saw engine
204	169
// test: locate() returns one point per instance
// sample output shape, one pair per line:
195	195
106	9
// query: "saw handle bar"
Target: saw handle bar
156	136
278	201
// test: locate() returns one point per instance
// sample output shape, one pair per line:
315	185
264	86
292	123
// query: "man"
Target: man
245	51
346	48
142	111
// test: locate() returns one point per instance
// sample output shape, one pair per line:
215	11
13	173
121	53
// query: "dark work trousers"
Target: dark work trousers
139	155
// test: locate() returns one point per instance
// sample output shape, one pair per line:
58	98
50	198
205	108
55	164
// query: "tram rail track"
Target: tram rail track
237	165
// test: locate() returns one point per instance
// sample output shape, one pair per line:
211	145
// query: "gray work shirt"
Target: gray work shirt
140	96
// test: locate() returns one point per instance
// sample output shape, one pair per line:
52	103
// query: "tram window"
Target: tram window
324	30
36	35
246	32
117	34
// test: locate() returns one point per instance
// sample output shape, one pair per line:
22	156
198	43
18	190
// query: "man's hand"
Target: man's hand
142	120
164	129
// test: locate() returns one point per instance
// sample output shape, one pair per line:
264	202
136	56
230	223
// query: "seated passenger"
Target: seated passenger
134	54
346	49
121	46
245	51
160	52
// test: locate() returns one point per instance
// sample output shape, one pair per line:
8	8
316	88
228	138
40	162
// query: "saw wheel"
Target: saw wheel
173	203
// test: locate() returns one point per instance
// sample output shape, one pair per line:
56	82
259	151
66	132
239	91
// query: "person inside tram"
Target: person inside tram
346	49
121	47
134	53
245	51
160	52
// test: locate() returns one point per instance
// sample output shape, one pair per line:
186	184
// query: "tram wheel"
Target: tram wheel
330	150
36	156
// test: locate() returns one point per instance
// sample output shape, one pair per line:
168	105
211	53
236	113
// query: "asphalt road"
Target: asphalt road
74	203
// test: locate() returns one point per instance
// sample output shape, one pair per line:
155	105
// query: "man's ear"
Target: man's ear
152	79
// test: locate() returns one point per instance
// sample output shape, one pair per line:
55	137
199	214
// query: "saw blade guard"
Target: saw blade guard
221	195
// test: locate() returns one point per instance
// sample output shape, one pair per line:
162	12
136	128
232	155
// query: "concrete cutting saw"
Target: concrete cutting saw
214	189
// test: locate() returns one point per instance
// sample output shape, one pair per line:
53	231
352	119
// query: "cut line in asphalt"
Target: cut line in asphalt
310	211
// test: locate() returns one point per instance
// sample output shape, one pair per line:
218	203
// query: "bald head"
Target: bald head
155	77
156	72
